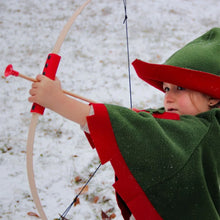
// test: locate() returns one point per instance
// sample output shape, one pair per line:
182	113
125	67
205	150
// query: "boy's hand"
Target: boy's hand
46	92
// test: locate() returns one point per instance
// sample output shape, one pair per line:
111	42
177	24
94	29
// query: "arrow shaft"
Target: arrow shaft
64	91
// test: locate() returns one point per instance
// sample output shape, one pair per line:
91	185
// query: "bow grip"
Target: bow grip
49	70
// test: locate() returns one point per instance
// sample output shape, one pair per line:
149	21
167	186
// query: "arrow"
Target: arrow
9	71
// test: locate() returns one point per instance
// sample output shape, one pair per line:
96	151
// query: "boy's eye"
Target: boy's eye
180	88
166	89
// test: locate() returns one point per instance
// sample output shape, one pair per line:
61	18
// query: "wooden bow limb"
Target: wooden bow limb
34	121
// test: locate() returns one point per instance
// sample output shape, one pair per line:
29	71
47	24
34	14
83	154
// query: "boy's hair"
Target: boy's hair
215	106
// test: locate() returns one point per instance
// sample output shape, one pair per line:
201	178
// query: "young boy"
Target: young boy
167	161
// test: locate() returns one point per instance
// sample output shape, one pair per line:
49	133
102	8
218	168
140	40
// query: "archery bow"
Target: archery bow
50	71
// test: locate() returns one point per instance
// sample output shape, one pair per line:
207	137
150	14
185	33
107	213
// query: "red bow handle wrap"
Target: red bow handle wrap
49	70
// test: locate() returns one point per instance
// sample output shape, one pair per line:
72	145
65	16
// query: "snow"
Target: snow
94	65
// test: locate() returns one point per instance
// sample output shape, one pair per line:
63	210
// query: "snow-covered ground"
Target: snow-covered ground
94	65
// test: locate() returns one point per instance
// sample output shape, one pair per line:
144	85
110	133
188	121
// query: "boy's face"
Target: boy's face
184	101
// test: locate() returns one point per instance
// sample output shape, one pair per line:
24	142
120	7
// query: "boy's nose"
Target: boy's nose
169	97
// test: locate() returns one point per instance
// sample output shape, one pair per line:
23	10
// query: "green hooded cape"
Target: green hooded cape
175	162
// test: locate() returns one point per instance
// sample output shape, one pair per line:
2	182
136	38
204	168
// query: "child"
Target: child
167	161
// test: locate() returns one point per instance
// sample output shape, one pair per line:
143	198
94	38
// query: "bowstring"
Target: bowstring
63	216
128	52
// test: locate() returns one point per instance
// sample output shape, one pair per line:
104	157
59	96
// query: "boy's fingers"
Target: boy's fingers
30	99
32	91
40	77
34	85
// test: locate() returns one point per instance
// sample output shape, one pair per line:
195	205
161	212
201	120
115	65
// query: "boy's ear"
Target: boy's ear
213	102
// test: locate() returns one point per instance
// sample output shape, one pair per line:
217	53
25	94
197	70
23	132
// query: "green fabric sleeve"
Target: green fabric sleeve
176	162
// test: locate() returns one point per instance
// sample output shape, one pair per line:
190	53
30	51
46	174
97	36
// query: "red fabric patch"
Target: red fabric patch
165	115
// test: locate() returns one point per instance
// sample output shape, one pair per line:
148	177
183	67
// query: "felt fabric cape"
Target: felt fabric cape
166	168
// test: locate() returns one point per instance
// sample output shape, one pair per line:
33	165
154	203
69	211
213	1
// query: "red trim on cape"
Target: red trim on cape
102	138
